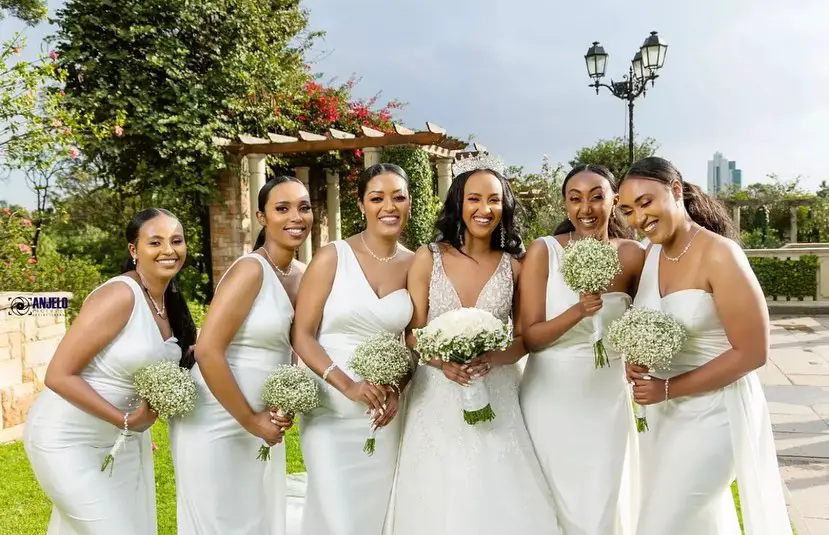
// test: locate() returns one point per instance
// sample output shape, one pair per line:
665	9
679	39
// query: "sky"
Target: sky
747	78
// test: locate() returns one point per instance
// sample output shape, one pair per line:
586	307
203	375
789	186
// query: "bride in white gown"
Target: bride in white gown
221	486
90	390
579	416
453	477
707	414
352	290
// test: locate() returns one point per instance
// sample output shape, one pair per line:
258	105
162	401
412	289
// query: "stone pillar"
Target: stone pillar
371	156
793	224
305	250
444	167
332	203
257	171
735	211
230	218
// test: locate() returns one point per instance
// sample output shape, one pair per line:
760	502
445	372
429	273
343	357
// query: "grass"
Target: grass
25	509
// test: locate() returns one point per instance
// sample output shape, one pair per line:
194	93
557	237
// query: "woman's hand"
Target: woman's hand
384	418
141	418
372	395
480	366
648	391
262	425
285	421
456	372
589	304
633	372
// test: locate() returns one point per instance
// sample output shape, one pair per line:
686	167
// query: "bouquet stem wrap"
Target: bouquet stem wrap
476	406
600	358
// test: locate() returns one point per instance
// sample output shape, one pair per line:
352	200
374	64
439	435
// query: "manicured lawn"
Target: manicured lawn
25	510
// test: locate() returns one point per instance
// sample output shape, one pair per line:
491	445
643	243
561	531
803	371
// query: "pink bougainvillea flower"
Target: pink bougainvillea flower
24	248
27	223
32	260
73	153
155	446
7	211
358	153
53	54
118	131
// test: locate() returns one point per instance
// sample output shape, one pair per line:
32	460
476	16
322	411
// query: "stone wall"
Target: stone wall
229	220
28	339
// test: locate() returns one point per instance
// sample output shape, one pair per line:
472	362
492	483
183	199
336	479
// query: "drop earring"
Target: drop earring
503	237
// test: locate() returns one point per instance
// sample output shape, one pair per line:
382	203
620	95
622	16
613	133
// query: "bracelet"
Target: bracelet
667	382
328	370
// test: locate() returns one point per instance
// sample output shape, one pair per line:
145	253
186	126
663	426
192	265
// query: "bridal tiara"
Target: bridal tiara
476	163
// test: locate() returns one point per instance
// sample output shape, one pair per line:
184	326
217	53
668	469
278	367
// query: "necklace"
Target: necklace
379	258
687	246
158	310
283	273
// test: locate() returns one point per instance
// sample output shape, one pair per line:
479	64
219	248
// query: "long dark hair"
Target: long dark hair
373	171
263	201
181	322
450	226
615	229
703	209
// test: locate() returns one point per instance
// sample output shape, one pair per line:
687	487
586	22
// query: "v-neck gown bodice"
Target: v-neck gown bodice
348	491
456	478
696	445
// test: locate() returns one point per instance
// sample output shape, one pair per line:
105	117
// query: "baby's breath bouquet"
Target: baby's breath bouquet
648	338
459	336
290	390
382	360
589	266
169	391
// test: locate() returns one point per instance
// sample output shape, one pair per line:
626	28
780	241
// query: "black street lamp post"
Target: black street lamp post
644	68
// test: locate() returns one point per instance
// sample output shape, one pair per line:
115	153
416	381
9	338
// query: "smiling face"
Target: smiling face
288	216
652	207
160	249
483	197
386	204
589	200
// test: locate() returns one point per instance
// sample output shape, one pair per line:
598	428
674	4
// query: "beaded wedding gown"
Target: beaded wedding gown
580	417
457	478
696	445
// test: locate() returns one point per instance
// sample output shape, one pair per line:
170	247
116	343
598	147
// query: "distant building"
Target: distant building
722	173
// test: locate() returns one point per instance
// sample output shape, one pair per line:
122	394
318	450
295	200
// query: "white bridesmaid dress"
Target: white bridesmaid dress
580	418
66	445
697	444
221	487
454	478
348	491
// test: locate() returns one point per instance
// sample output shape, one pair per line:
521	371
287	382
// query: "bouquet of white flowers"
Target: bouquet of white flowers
589	266
169	391
290	390
382	360
648	338
459	336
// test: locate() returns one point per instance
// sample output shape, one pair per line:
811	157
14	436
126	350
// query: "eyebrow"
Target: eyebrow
399	190
591	189
157	237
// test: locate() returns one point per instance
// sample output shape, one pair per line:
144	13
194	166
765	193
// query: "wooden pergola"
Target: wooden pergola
252	152
794	203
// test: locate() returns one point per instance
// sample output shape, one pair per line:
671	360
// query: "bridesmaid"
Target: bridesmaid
130	321
707	414
353	289
579	417
221	486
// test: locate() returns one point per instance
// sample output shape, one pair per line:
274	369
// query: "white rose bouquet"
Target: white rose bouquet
648	338
383	360
290	390
169	391
459	336
590	266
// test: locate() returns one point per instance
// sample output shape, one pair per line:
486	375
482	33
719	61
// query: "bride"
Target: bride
453	477
707	415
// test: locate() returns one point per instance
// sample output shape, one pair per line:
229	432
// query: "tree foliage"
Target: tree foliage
613	153
540	197
425	203
29	11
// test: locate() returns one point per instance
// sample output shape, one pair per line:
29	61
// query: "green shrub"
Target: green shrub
794	279
425	204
